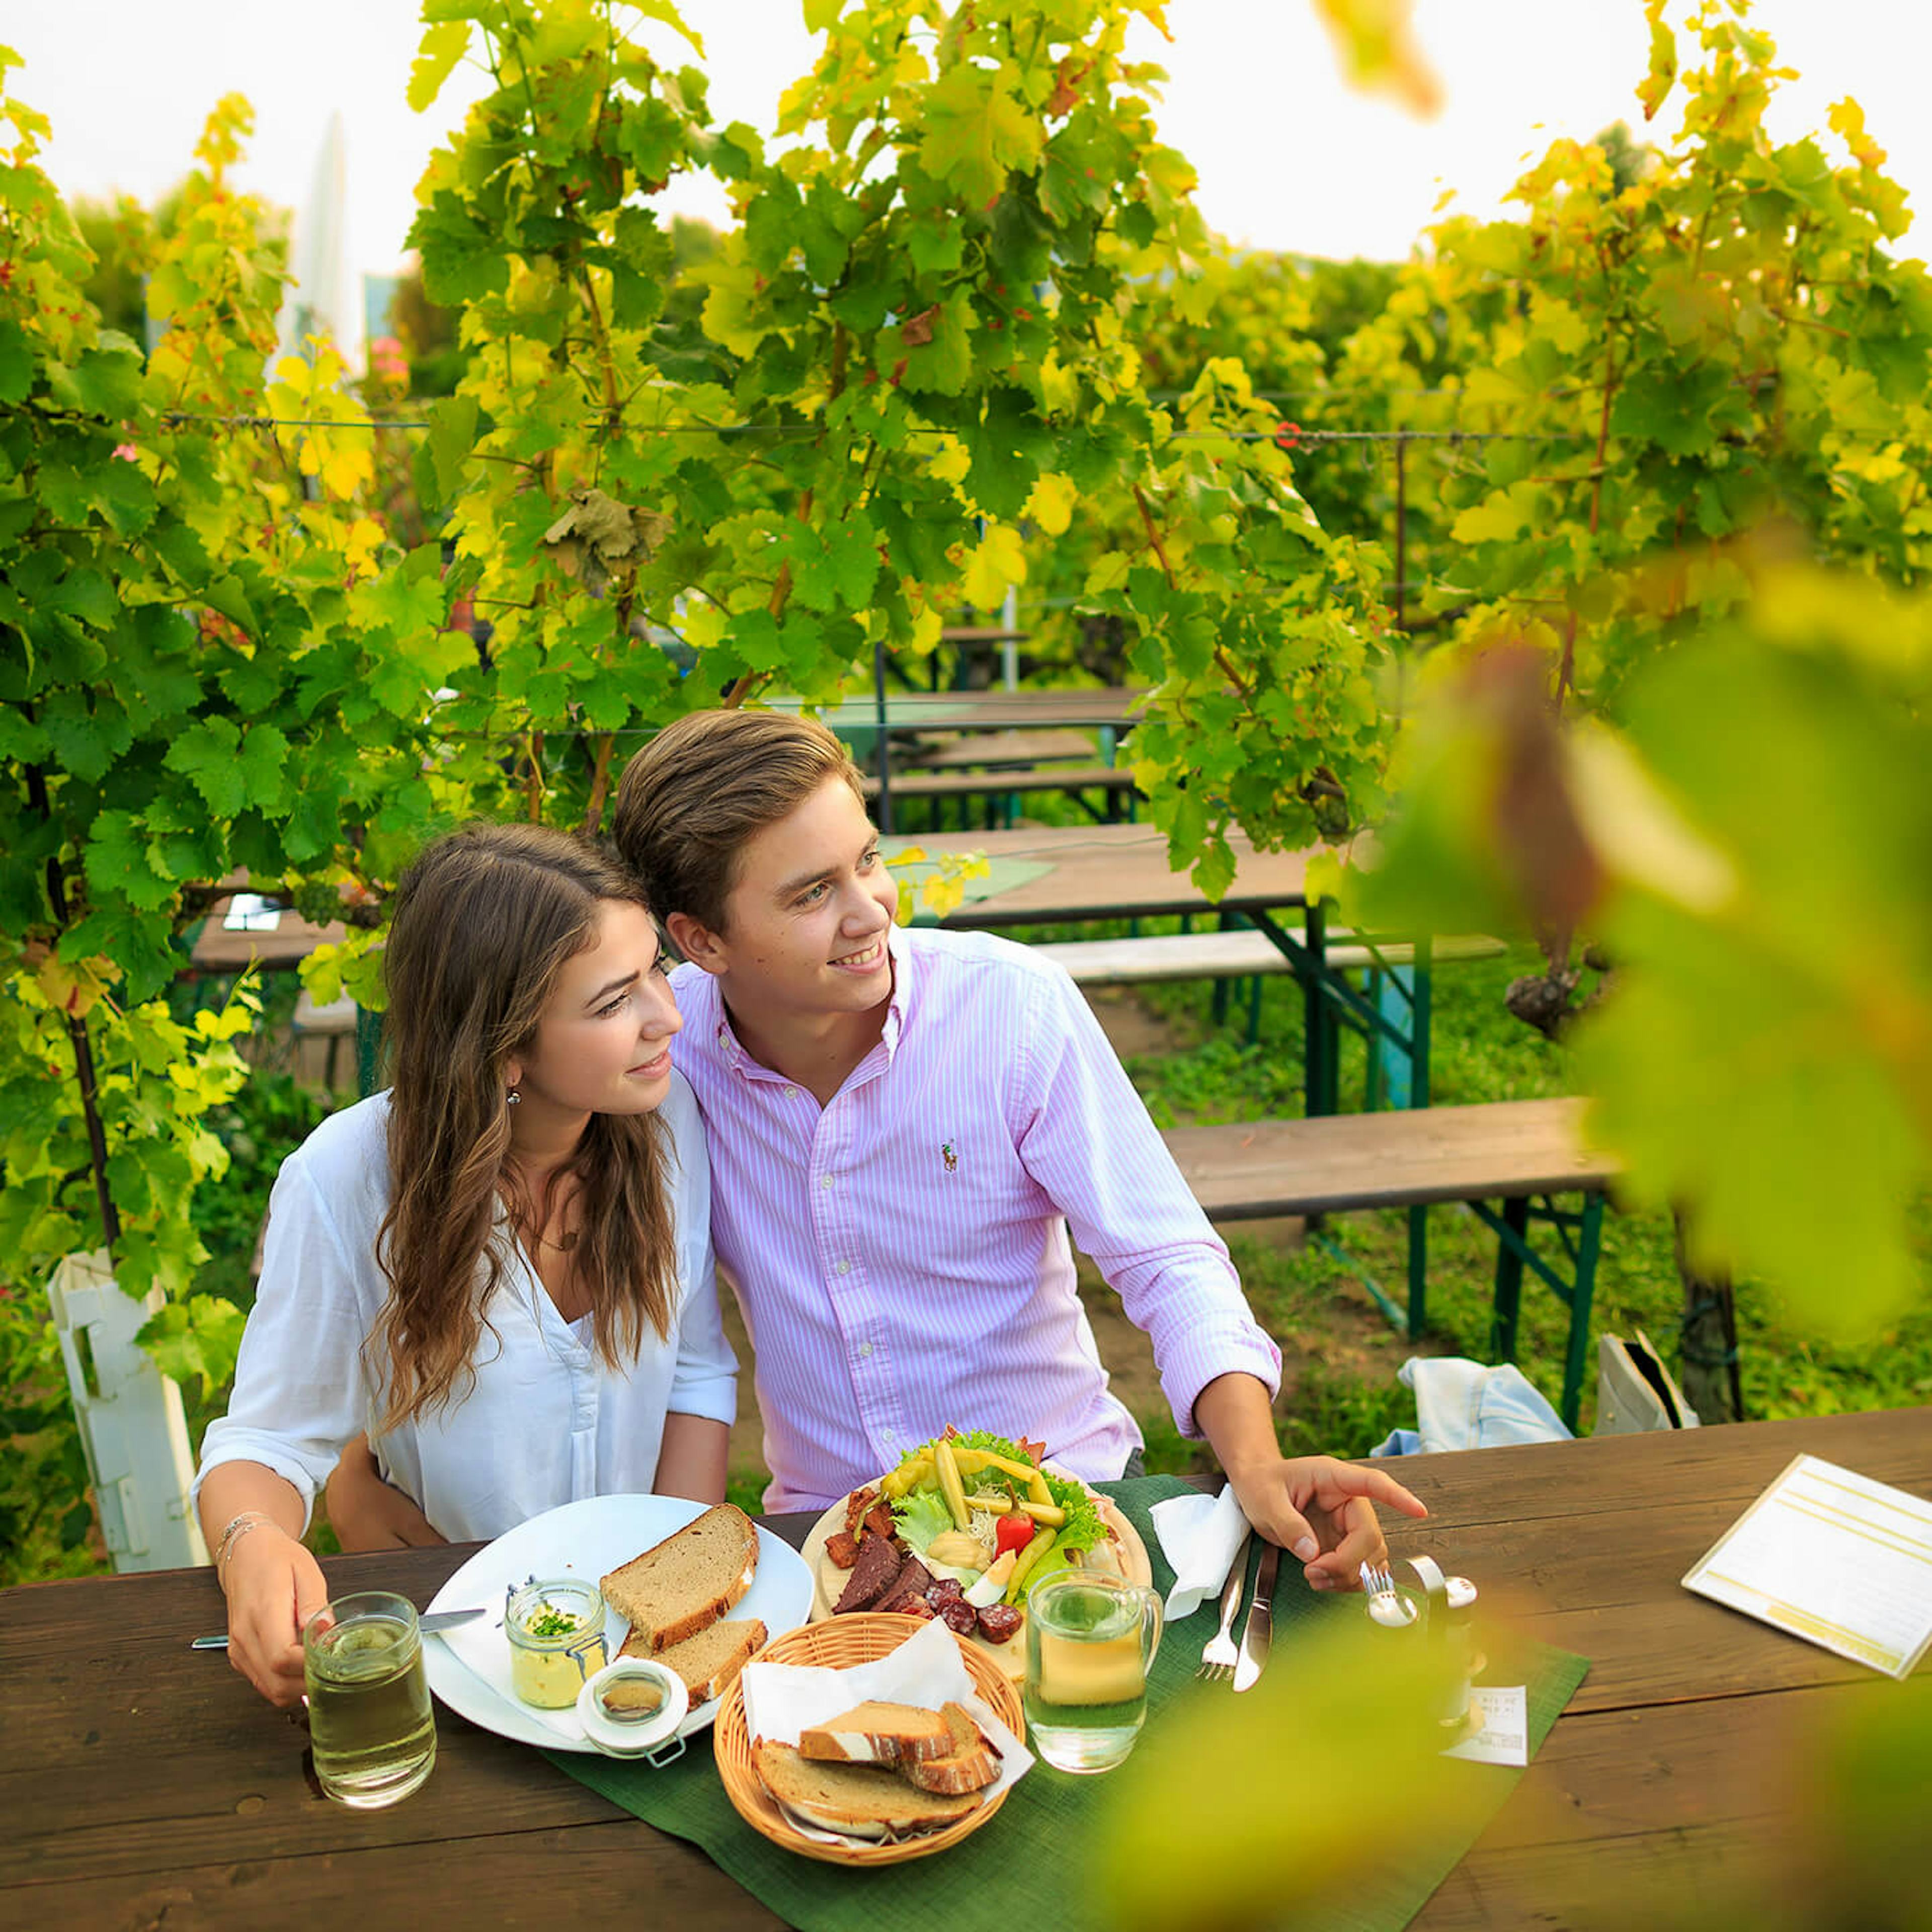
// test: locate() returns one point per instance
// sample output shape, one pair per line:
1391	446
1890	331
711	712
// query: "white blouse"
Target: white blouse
545	1422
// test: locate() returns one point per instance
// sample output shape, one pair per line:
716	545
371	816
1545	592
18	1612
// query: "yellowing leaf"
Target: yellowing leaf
996	564
74	988
363	544
345	467
1555	318
976	132
1376	41
927	627
1637	832
1658	81
704	625
1051	506
1503	514
1848	118
442	48
952	461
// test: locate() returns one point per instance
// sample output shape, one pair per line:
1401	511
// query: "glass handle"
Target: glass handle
1151	1627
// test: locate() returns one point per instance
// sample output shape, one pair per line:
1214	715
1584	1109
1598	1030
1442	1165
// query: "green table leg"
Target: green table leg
1509	1278
1588	1241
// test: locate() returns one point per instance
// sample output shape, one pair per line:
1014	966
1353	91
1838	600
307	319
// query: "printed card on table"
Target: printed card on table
1832	1556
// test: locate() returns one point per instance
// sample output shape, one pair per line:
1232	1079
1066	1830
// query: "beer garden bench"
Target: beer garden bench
1507	1161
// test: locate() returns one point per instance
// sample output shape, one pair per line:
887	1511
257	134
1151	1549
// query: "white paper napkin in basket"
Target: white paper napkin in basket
782	1699
1198	1535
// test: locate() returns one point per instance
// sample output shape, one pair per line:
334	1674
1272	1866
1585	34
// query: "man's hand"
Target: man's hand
367	1513
1323	1511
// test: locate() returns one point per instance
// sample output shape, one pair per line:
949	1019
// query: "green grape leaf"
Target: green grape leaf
16	363
115	861
105	381
195	1341
975	132
206	755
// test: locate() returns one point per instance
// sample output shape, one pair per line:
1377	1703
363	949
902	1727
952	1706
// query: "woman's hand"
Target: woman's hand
274	1586
367	1513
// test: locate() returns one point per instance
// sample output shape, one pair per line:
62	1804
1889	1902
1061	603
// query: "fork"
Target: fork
1219	1656
1376	1580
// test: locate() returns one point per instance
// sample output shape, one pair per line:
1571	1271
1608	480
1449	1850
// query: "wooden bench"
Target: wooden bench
1236	955
1514	1154
922	782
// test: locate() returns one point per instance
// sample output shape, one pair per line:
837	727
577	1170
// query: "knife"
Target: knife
429	1623
1258	1633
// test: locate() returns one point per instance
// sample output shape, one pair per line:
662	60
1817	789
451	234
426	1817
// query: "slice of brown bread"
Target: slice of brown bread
709	1662
685	1583
853	1799
969	1763
877	1733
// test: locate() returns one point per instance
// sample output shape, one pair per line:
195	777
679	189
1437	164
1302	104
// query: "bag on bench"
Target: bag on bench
1635	1391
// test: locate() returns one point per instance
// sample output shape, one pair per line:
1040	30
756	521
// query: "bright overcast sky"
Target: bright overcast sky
1288	157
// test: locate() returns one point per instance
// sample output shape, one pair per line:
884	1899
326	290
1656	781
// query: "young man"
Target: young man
903	1125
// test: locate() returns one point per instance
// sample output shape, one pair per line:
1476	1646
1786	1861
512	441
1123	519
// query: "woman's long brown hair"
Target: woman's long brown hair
485	920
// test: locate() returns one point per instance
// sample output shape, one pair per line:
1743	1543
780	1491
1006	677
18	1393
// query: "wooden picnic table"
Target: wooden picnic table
1102	707
143	1783
219	948
1074	874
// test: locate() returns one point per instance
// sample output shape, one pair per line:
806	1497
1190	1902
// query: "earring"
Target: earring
513	1098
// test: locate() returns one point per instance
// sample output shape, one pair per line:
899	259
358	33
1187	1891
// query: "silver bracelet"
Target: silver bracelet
237	1527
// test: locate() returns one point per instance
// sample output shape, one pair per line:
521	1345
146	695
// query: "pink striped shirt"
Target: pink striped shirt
901	1255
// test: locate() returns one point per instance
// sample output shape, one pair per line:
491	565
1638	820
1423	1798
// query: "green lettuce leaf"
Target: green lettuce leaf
921	1514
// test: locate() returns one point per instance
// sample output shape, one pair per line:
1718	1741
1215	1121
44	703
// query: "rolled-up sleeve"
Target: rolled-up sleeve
1087	1140
299	1393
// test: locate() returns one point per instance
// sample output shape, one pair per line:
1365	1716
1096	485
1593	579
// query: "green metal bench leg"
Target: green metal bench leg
368	1050
1509	1278
1588	1241
1319	1026
1418	1271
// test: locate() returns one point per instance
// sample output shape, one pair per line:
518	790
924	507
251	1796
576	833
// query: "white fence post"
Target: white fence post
132	1427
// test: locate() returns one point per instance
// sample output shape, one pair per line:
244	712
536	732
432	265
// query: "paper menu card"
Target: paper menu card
1831	1555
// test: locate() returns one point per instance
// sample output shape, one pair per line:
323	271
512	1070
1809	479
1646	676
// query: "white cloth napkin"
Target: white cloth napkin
1199	1535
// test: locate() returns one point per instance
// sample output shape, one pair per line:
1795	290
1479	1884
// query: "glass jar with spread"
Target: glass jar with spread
555	1630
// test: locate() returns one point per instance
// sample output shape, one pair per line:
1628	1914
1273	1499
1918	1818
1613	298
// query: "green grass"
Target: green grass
1481	1052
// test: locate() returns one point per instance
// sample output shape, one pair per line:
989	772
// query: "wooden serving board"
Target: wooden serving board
1130	1557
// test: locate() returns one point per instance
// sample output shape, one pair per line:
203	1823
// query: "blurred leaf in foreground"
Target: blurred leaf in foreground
1242	1811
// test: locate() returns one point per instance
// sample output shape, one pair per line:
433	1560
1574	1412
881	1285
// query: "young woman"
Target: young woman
500	1269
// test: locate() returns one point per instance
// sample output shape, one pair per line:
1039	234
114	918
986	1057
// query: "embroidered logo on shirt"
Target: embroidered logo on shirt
951	1159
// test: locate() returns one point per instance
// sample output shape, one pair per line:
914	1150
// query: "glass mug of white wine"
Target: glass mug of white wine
1091	1641
370	1727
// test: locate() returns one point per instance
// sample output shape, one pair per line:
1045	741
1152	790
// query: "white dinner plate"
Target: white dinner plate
470	1668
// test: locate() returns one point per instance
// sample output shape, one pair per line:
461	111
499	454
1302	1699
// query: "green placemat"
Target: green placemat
990	1882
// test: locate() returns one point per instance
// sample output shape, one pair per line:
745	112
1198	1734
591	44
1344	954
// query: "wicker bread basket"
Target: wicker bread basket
837	1645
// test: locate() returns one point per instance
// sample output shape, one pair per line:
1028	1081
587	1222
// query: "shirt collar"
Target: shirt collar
897	1009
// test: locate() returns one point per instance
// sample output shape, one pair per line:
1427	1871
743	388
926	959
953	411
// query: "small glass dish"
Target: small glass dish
556	1629
616	1707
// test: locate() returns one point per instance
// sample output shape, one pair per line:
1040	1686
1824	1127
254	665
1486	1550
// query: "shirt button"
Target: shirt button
825	1180
865	1347
791	1092
844	1267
